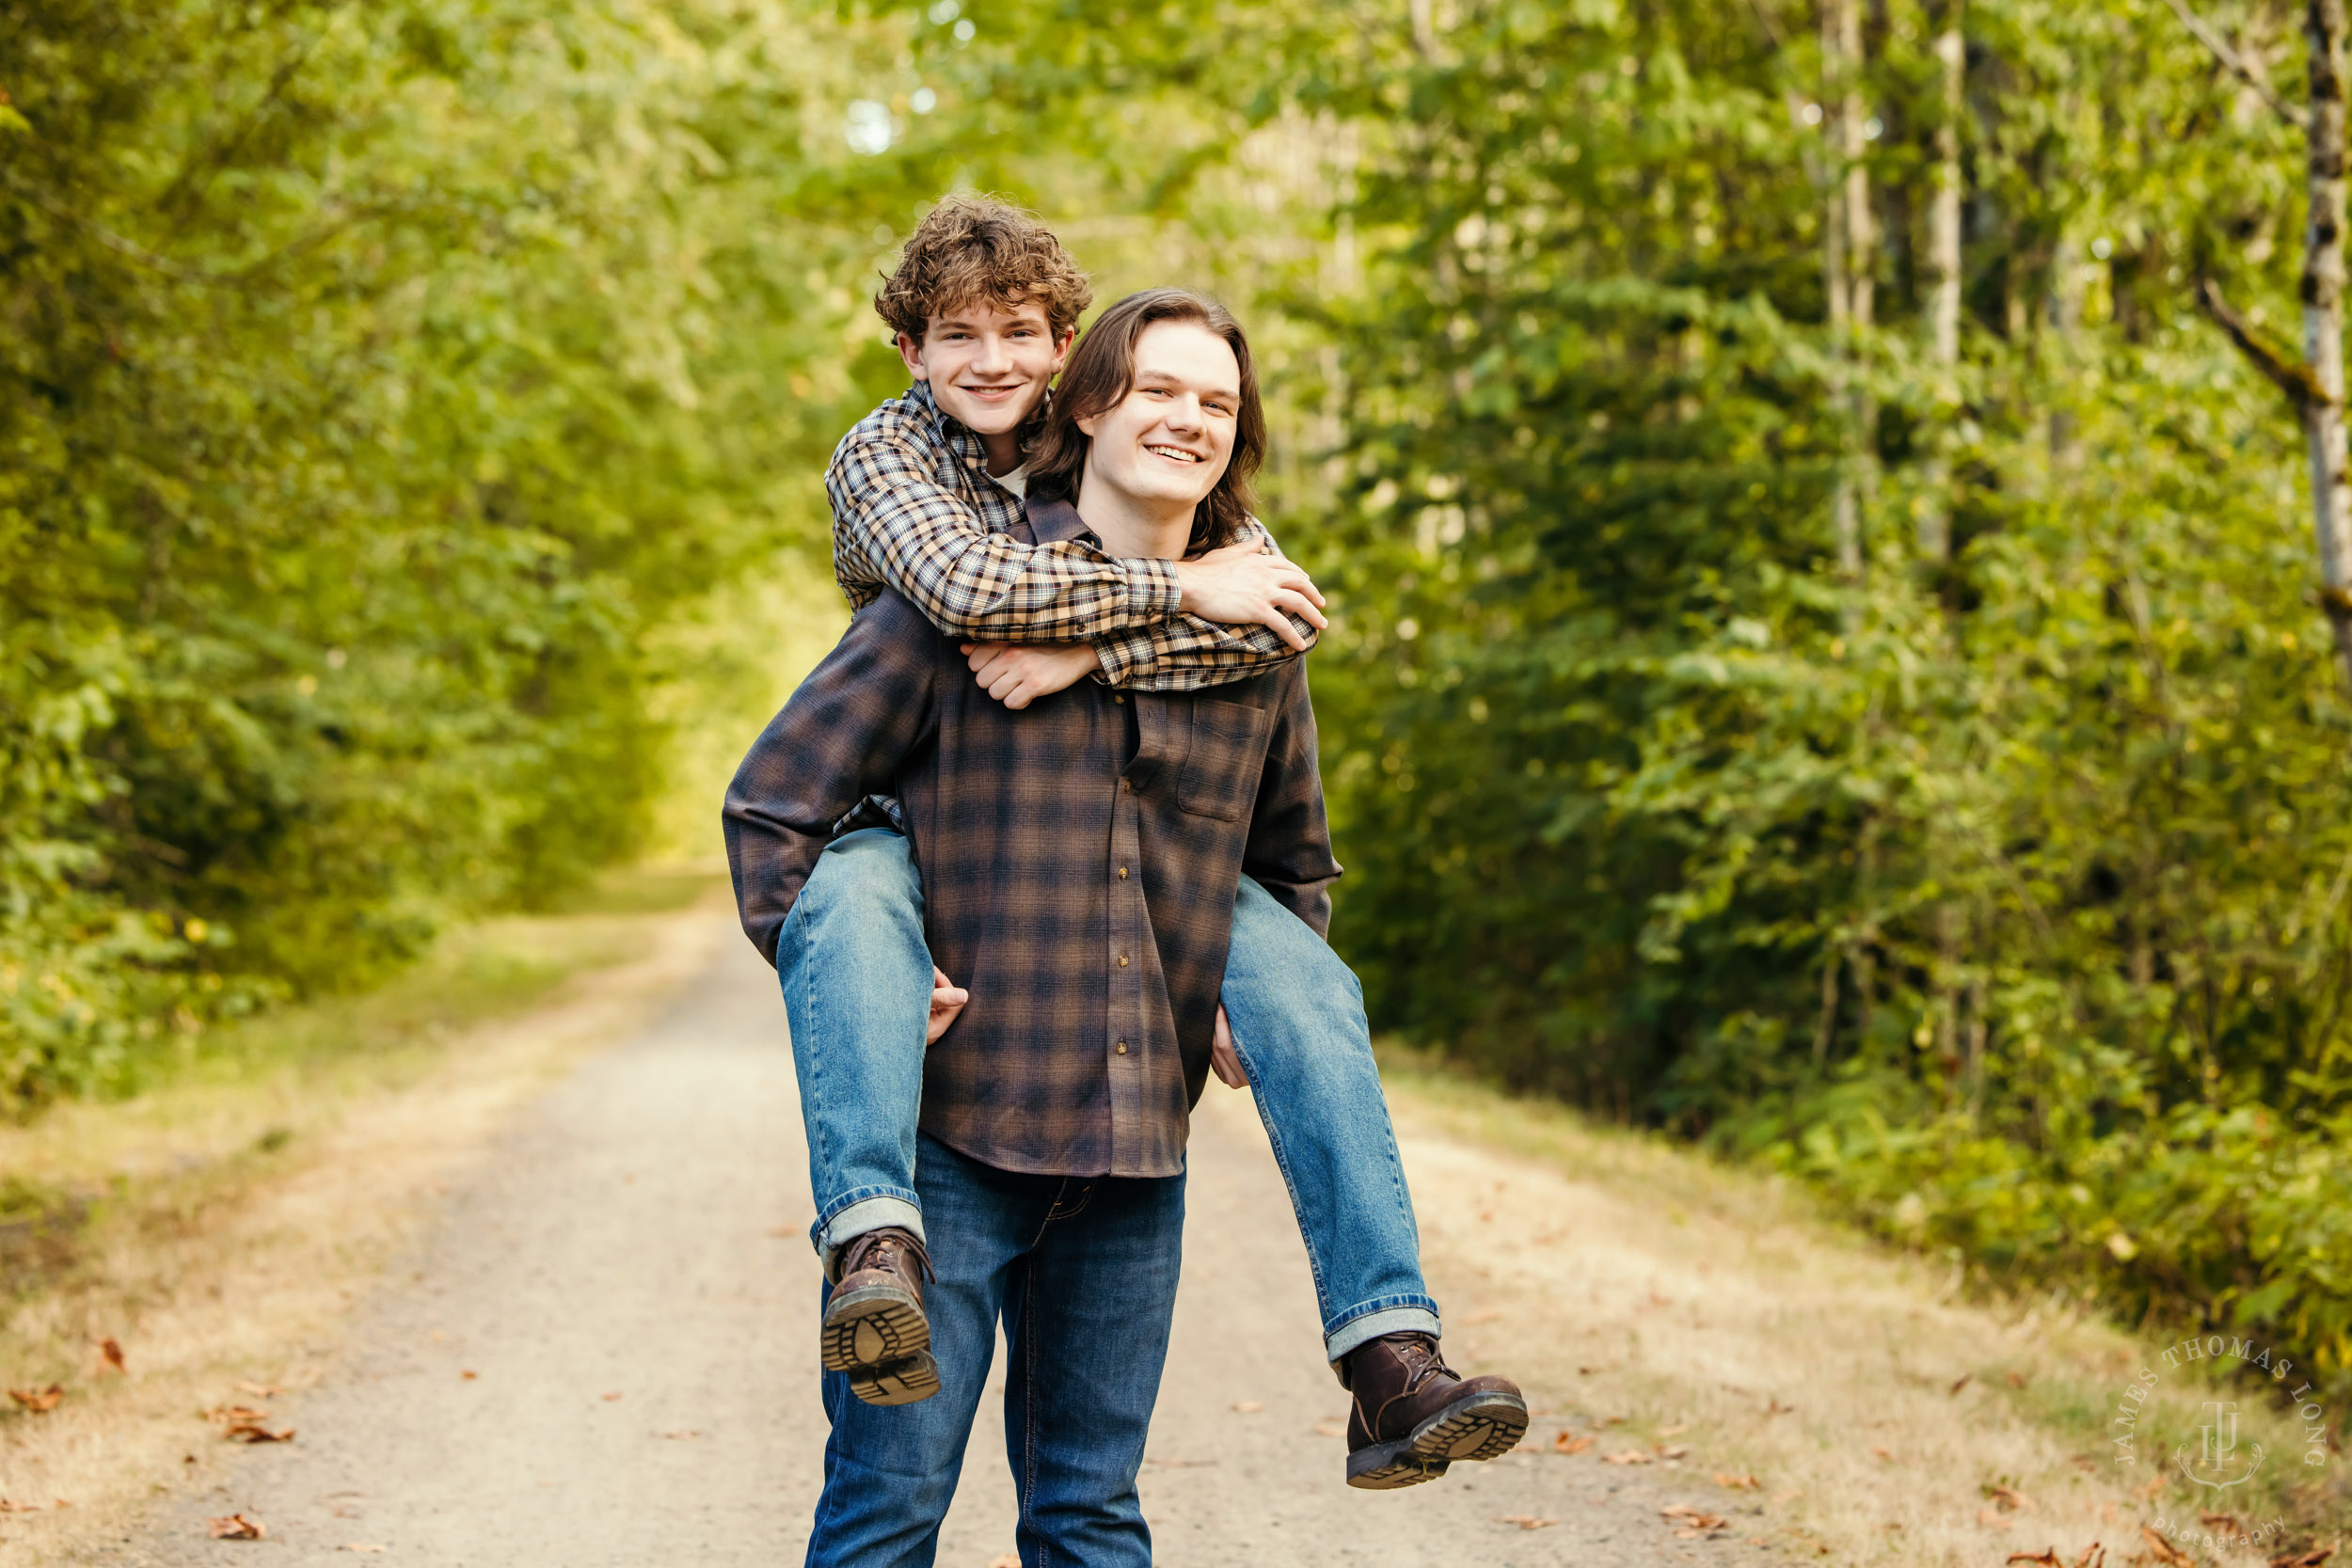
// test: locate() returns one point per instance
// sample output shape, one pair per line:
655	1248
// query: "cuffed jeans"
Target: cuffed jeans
1083	1273
857	982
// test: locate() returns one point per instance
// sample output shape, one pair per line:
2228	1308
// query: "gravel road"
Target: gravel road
605	1356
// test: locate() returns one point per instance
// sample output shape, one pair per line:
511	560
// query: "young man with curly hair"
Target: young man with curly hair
929	518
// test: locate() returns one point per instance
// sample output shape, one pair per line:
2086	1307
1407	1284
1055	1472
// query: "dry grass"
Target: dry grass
221	1226
1884	1418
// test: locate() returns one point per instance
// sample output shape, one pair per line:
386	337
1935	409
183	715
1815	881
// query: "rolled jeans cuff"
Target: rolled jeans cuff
863	1211
1368	1326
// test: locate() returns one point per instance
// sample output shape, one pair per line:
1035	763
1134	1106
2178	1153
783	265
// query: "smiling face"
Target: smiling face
1165	445
988	366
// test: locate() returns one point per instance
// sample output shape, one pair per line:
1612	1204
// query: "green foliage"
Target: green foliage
405	406
2006	898
375	380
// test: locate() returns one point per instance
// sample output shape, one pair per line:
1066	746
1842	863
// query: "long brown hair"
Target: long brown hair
1101	370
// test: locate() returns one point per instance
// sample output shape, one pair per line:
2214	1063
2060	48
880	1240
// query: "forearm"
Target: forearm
1184	653
1289	847
895	525
840	738
991	588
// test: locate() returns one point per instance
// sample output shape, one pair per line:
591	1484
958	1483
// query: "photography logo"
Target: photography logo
2218	1461
2213	1456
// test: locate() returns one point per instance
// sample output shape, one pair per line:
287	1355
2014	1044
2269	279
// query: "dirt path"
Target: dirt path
604	1356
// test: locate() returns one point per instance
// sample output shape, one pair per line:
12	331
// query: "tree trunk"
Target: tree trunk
1936	520
1849	252
2323	320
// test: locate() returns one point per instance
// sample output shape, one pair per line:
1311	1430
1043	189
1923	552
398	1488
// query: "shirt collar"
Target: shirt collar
953	433
1056	522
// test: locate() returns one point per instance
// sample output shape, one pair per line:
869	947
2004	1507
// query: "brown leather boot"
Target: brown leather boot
875	1329
1413	1416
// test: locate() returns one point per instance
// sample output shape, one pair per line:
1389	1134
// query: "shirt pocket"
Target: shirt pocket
1220	778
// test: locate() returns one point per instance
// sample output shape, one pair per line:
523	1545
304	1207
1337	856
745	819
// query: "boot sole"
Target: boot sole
908	1382
879	1326
1484	1426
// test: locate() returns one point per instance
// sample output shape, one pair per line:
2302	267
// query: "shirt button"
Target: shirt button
1124	787
1119	697
1122	873
1122	1048
1122	960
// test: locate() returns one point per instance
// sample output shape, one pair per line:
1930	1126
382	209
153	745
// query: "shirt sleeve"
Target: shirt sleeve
894	525
1289	847
840	738
1184	653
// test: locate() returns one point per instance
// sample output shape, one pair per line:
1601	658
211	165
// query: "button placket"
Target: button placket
1122	1026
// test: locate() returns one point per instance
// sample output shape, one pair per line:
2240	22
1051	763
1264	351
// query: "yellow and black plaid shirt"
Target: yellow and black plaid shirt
1079	861
914	509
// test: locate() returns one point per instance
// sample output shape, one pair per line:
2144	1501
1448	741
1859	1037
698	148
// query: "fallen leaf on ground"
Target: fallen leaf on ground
1674	1430
2047	1556
254	1431
2008	1497
236	1527
8	1507
1330	1429
2312	1559
39	1401
258	1390
2015	1380
1525	1521
2094	1555
682	1434
1961	1382
1697	1518
1635	1456
1776	1408
1678	1450
1738	1483
1569	1442
111	1349
2164	1551
236	1415
2155	1485
1249	1407
1880	1452
2229	1524
608	1398
469	1376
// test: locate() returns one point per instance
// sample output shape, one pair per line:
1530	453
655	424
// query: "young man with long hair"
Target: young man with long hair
929	507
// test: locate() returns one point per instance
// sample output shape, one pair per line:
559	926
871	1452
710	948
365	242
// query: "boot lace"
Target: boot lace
874	1249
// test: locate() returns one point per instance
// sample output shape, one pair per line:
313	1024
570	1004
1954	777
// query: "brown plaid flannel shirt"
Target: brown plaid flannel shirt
914	509
1079	861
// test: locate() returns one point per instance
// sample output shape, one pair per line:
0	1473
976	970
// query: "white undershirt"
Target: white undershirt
1017	482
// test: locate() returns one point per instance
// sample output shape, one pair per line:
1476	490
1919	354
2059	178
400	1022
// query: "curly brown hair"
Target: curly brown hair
970	249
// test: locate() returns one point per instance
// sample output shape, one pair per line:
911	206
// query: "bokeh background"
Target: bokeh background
1828	659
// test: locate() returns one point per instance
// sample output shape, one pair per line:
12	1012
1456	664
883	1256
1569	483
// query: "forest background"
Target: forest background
1832	657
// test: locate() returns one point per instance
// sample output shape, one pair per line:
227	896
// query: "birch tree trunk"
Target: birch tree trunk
1944	279
2323	320
1848	250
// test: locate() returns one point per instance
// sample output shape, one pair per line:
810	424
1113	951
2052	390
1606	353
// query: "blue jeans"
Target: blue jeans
1083	1273
857	979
